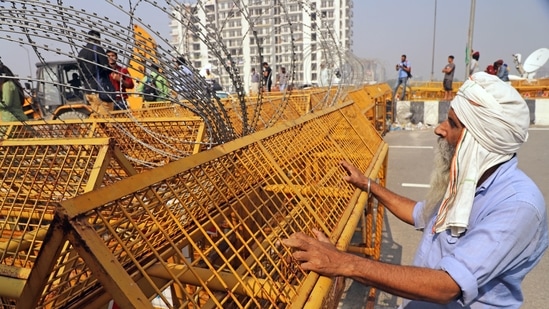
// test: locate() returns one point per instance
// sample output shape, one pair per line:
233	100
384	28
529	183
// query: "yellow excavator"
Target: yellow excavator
54	98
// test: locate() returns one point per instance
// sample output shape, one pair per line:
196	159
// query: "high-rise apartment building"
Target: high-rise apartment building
299	35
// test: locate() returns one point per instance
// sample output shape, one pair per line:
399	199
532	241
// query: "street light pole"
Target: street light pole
470	39
434	35
28	59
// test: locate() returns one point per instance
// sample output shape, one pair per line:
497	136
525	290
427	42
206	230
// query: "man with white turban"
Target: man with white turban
484	221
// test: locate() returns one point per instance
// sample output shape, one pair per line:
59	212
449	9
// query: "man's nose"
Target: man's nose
439	131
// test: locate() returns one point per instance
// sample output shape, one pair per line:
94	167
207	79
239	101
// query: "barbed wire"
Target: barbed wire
290	33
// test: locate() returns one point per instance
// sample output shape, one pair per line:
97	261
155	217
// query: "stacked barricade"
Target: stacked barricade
147	142
538	88
372	100
199	232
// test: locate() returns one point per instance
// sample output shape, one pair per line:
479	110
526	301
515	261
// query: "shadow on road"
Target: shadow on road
356	294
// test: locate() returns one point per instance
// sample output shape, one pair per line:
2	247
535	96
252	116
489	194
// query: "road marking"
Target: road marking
538	129
412	147
415	185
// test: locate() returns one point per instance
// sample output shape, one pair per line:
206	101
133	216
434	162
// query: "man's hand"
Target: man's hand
354	175
318	255
116	76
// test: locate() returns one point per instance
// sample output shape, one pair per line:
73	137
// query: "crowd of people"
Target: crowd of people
102	73
281	79
404	69
101	70
103	82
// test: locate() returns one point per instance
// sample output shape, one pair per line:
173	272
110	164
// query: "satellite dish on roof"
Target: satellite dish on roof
534	62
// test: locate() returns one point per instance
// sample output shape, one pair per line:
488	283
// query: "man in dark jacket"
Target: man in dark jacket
94	66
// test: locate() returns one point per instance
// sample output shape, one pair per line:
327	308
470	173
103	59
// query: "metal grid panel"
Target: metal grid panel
34	178
361	98
267	112
35	175
148	142
322	99
155	110
206	228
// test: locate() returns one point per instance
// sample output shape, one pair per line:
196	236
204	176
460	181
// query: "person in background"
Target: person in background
184	80
120	79
267	76
404	68
484	221
94	67
282	79
209	76
157	81
254	82
448	71
325	79
212	80
474	62
501	70
76	83
11	95
491	70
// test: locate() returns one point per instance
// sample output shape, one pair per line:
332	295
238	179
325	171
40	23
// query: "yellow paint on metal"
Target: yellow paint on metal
206	227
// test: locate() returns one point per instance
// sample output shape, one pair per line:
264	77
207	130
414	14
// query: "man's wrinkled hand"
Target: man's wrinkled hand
318	255
354	175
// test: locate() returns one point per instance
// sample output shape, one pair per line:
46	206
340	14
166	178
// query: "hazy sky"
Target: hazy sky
383	30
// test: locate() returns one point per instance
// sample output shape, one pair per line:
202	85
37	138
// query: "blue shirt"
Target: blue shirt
506	238
401	72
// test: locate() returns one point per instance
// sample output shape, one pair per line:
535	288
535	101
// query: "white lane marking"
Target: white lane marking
412	147
538	129
415	185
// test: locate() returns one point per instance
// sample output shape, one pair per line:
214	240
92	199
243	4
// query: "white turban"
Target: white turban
496	120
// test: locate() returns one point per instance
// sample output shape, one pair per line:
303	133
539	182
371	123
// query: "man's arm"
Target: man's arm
407	68
127	81
406	281
402	207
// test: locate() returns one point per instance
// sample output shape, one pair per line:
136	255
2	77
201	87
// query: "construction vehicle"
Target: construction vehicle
53	97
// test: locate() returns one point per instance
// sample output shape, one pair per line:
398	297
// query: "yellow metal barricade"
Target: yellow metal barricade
147	142
36	175
204	231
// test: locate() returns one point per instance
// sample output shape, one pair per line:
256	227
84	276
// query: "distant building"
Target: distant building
273	27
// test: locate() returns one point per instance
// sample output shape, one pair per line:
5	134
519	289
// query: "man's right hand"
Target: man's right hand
354	175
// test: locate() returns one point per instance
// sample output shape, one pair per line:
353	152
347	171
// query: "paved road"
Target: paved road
410	162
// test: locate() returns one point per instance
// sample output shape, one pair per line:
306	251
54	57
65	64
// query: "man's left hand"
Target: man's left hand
318	255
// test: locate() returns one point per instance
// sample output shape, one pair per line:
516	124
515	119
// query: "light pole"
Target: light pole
434	35
28	59
470	38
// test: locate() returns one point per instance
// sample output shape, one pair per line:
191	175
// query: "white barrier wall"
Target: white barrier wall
434	112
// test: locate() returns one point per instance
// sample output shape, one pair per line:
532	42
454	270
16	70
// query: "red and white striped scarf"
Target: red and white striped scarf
496	121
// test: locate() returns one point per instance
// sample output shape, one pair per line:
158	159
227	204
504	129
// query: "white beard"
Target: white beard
439	178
